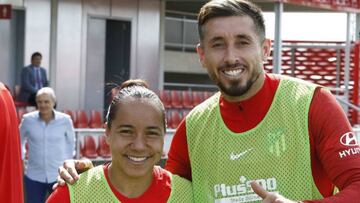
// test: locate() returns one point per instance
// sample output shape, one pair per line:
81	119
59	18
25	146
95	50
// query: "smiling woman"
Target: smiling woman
135	130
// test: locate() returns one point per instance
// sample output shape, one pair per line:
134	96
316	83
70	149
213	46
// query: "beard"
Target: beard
236	89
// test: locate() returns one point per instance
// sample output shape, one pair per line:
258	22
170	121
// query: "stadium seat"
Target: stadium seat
81	120
103	148
19	104
168	119
187	101
208	94
176	99
175	119
184	112
71	114
165	98
197	97
15	94
88	147
95	119
21	113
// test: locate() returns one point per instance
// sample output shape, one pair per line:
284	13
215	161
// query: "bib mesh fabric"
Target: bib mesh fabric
181	190
276	152
93	187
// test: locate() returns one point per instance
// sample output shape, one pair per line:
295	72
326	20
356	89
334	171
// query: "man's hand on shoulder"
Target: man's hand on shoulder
70	170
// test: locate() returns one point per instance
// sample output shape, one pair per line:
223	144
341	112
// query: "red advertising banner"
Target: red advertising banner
5	11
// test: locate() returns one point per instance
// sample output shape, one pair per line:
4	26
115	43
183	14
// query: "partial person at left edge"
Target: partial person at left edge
11	182
33	78
51	139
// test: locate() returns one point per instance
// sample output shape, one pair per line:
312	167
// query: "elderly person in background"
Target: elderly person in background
51	138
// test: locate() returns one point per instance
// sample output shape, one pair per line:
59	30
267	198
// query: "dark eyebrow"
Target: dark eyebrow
124	126
153	128
247	37
240	36
216	39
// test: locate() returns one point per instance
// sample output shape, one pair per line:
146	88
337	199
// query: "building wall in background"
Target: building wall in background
13	2
182	62
37	30
58	29
12	48
73	32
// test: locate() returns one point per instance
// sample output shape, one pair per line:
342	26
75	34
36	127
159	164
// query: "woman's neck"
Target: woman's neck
128	186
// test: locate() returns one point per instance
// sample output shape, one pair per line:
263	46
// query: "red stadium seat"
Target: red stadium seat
81	120
95	119
175	119
185	112
88	147
198	97
103	148
21	113
187	100
18	104
165	98
208	94
71	114
176	99
168	119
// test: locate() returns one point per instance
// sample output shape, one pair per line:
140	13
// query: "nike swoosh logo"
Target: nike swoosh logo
234	156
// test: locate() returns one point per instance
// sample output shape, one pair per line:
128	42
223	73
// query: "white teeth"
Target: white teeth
234	72
139	159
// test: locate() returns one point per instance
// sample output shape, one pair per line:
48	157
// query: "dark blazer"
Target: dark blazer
28	87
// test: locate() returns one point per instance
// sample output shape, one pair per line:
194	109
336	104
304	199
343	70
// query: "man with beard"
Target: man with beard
282	132
263	137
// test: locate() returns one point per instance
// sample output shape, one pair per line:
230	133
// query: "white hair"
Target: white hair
48	91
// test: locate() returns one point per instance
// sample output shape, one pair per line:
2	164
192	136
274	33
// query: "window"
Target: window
180	32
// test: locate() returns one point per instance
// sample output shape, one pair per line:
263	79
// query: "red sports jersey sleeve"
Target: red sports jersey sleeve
60	195
178	161
11	175
333	160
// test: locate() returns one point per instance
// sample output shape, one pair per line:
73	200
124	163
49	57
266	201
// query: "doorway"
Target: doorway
108	60
12	48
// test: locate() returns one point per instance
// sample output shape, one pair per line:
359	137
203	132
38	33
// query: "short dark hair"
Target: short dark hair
35	54
227	8
135	88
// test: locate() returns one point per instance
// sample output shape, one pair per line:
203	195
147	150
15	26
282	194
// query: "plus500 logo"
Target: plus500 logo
222	190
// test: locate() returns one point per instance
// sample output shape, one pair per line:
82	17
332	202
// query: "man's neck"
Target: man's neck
47	117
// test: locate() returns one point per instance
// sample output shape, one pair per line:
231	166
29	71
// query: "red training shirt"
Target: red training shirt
11	175
327	124
159	190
